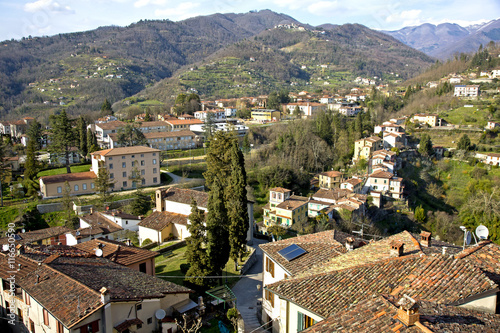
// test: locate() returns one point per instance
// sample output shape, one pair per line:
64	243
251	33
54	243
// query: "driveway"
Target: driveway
248	296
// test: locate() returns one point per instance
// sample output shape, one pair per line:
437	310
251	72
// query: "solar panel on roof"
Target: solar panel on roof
291	252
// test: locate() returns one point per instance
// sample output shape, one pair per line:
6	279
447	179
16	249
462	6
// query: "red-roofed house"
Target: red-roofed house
385	182
330	179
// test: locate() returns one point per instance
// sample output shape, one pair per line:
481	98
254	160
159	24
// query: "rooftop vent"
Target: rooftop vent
397	248
408	312
349	243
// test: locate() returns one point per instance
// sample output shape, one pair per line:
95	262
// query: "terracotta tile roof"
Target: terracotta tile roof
127	323
116	251
332	194
372	252
160	220
293	202
486	256
280	189
331	174
119	213
434	278
184	122
88	175
126	151
156	135
61	295
97	220
24	265
123	283
379	314
353	181
382	174
157	123
185	196
320	247
111	125
38	235
373	139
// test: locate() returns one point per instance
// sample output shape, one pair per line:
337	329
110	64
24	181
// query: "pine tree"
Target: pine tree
217	230
63	136
106	108
236	202
195	252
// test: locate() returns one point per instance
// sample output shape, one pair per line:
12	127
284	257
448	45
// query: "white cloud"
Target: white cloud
142	3
326	8
406	17
183	11
46	5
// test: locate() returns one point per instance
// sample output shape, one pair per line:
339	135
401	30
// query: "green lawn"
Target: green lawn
449	139
189	171
476	116
170	267
59	171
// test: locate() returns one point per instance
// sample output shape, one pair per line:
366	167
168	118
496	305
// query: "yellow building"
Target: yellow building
284	208
266	115
330	179
364	148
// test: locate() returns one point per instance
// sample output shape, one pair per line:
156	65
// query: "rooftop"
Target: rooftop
332	174
116	251
280	189
38	235
293	202
160	220
185	196
98	220
156	135
111	125
68	177
126	151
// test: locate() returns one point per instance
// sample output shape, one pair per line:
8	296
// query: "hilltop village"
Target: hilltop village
367	206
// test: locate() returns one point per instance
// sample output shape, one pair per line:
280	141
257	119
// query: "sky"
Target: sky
22	18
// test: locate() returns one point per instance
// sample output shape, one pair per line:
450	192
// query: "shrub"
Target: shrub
184	268
147	241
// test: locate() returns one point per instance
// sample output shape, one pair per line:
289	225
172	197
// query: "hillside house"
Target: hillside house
216	115
385	182
79	183
265	116
493	159
395	140
354	185
308	109
492	125
466	91
102	130
284	208
46	236
430	119
364	148
330	179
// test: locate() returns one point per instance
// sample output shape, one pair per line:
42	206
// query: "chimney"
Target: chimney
19	249
425	239
408	312
349	243
91	210
128	242
444	250
397	248
104	295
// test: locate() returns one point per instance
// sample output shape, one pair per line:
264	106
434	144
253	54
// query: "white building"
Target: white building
466	91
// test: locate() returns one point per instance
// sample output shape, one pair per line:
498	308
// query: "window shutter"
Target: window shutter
300	321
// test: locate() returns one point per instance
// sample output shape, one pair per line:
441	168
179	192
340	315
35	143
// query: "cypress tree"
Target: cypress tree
236	202
217	230
82	135
195	253
63	137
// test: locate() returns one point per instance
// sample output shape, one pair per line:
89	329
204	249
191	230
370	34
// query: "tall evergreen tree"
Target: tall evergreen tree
425	147
103	184
82	135
63	136
219	158
236	202
195	252
31	165
35	134
106	108
92	145
217	230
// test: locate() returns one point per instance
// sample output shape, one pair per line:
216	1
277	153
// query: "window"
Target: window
154	154
110	159
139	326
304	321
84	186
92	185
124	164
269	297
111	175
123	157
124	174
270	266
92	327
133	163
111	165
59	189
155	170
142	155
142	163
77	188
155	180
138	307
27	299
45	317
154	160
143	181
32	326
125	184
150	320
133	156
142	267
143	172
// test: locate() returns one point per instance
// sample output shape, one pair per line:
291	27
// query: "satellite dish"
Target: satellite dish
5	247
98	252
482	232
468	237
160	314
78	233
